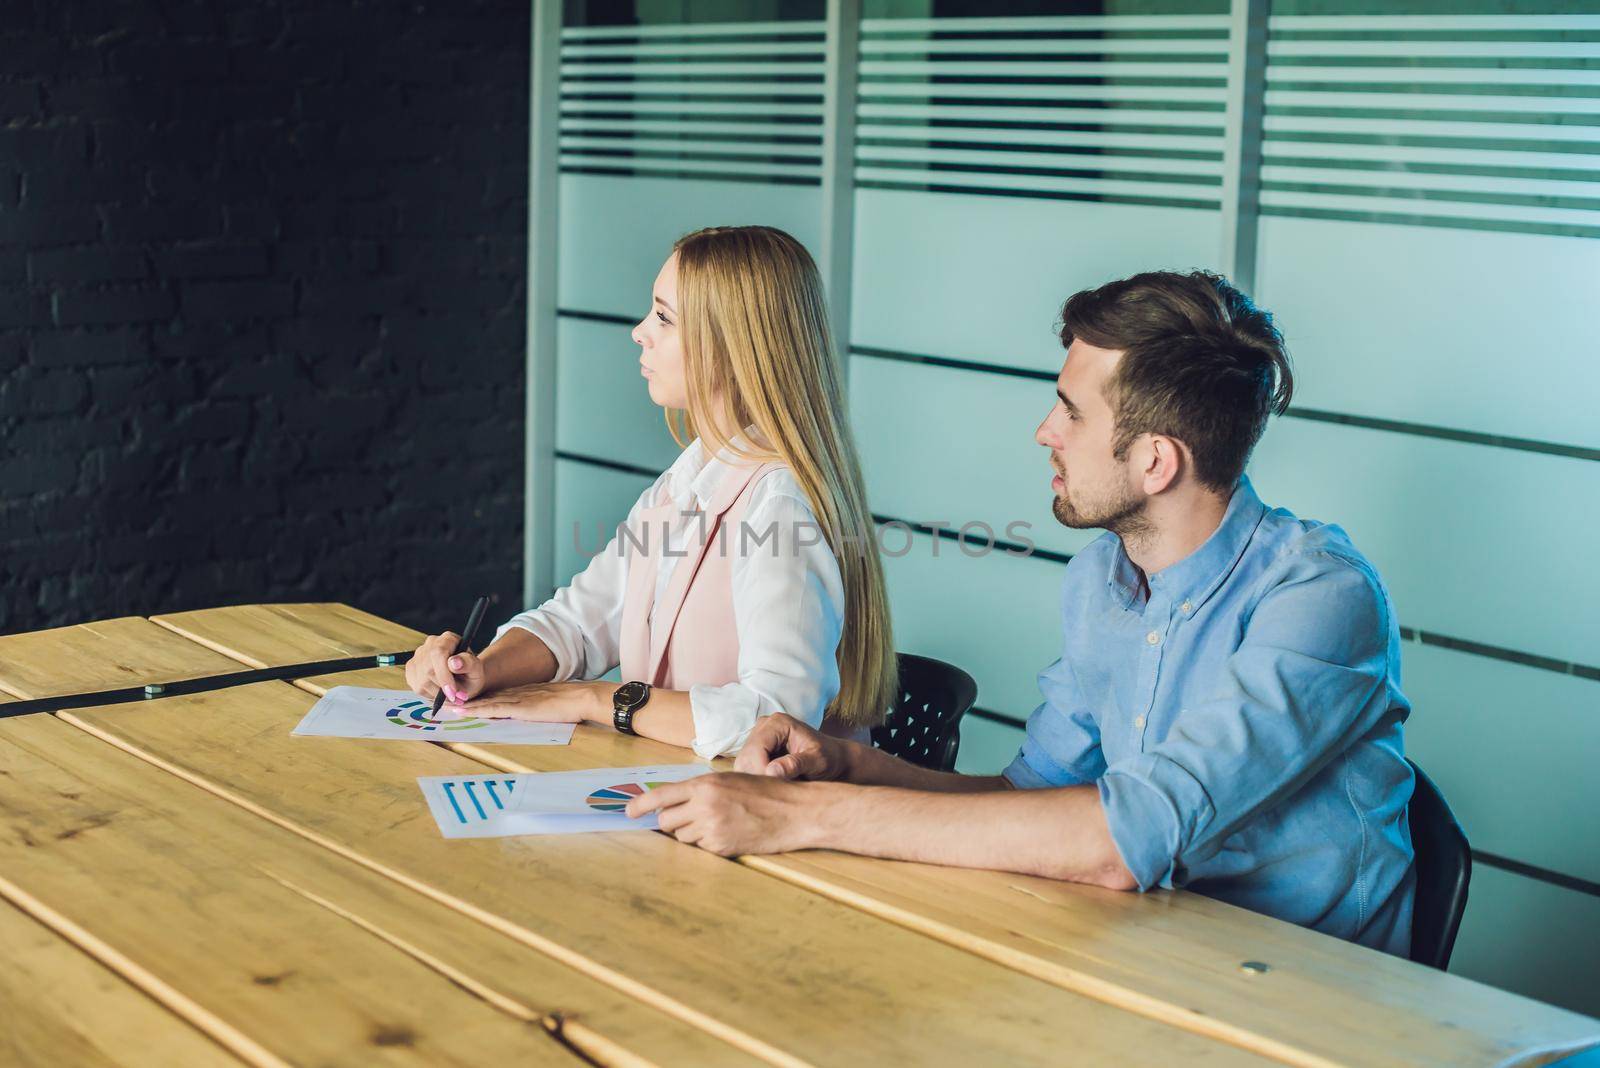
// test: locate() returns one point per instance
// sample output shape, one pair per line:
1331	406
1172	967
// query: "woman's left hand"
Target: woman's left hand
542	702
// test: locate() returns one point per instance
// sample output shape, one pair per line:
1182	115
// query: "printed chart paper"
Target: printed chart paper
400	715
485	806
578	793
475	806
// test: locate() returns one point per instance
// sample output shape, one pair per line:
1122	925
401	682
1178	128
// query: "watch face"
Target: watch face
630	693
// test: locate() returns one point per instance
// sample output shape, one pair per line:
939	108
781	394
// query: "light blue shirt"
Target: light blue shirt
1241	716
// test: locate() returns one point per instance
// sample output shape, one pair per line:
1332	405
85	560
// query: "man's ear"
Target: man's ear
1167	459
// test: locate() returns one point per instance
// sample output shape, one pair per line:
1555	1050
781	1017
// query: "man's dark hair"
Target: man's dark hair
1200	363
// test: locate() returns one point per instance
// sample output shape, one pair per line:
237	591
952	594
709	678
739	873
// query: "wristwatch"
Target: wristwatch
629	698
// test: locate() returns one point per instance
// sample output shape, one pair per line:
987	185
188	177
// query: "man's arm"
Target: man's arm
784	747
1060	834
1308	680
869	766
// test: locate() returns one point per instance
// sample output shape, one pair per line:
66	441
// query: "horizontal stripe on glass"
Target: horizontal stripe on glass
694	49
632	138
1040	180
1440	23
1045	95
691	30
739	65
774	97
1110	124
1519	130
580	152
933	147
1400	218
1021	159
665	127
685	172
1422	51
1199	65
712	110
1529	192
984	190
1044	23
1031	47
1312	149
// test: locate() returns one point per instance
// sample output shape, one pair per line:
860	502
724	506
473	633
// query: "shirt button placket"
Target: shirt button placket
1153	641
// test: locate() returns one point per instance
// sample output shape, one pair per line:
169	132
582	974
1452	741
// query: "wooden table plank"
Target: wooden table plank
1178	957
65	1008
280	949
1175	957
272	635
783	973
106	655
1172	956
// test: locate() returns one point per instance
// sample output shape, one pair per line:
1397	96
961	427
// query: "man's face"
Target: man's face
1092	488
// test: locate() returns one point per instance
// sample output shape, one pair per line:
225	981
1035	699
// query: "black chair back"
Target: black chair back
924	726
1444	867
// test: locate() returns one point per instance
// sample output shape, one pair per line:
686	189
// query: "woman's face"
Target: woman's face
660	344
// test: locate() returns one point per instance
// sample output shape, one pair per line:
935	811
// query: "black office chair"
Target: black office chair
924	726
1444	867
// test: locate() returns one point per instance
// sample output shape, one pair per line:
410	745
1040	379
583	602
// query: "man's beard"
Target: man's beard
1120	513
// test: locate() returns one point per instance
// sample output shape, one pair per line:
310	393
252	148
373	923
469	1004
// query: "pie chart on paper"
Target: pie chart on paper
616	798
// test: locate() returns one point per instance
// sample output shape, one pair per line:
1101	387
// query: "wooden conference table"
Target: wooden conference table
184	883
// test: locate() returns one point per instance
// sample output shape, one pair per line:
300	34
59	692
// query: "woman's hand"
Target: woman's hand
542	702
437	666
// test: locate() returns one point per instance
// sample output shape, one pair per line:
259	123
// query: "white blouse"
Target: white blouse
788	605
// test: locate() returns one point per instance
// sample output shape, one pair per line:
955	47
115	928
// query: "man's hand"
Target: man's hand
730	814
784	747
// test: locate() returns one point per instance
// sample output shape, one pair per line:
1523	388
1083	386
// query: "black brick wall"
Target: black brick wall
261	305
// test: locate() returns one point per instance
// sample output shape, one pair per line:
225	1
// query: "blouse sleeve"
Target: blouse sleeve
788	605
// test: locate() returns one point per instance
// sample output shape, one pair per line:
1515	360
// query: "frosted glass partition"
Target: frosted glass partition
1003	162
665	127
1428	236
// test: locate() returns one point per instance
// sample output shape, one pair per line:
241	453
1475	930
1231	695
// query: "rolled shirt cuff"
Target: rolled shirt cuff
1153	808
1033	769
724	716
1020	773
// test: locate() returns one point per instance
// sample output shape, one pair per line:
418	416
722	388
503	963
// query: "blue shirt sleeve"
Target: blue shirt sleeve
1308	679
1062	747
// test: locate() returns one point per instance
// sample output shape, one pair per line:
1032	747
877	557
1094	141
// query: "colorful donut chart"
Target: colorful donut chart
418	715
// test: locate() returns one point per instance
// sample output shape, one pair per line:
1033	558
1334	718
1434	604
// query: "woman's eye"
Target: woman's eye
665	321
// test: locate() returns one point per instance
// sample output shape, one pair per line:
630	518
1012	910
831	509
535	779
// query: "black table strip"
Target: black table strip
183	687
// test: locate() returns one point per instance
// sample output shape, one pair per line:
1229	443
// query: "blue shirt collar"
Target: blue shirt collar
1197	576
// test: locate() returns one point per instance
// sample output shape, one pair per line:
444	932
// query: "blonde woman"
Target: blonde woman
746	580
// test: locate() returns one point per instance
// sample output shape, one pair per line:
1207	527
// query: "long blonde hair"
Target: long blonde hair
755	337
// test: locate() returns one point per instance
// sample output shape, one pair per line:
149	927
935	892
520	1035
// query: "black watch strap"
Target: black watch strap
628	699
